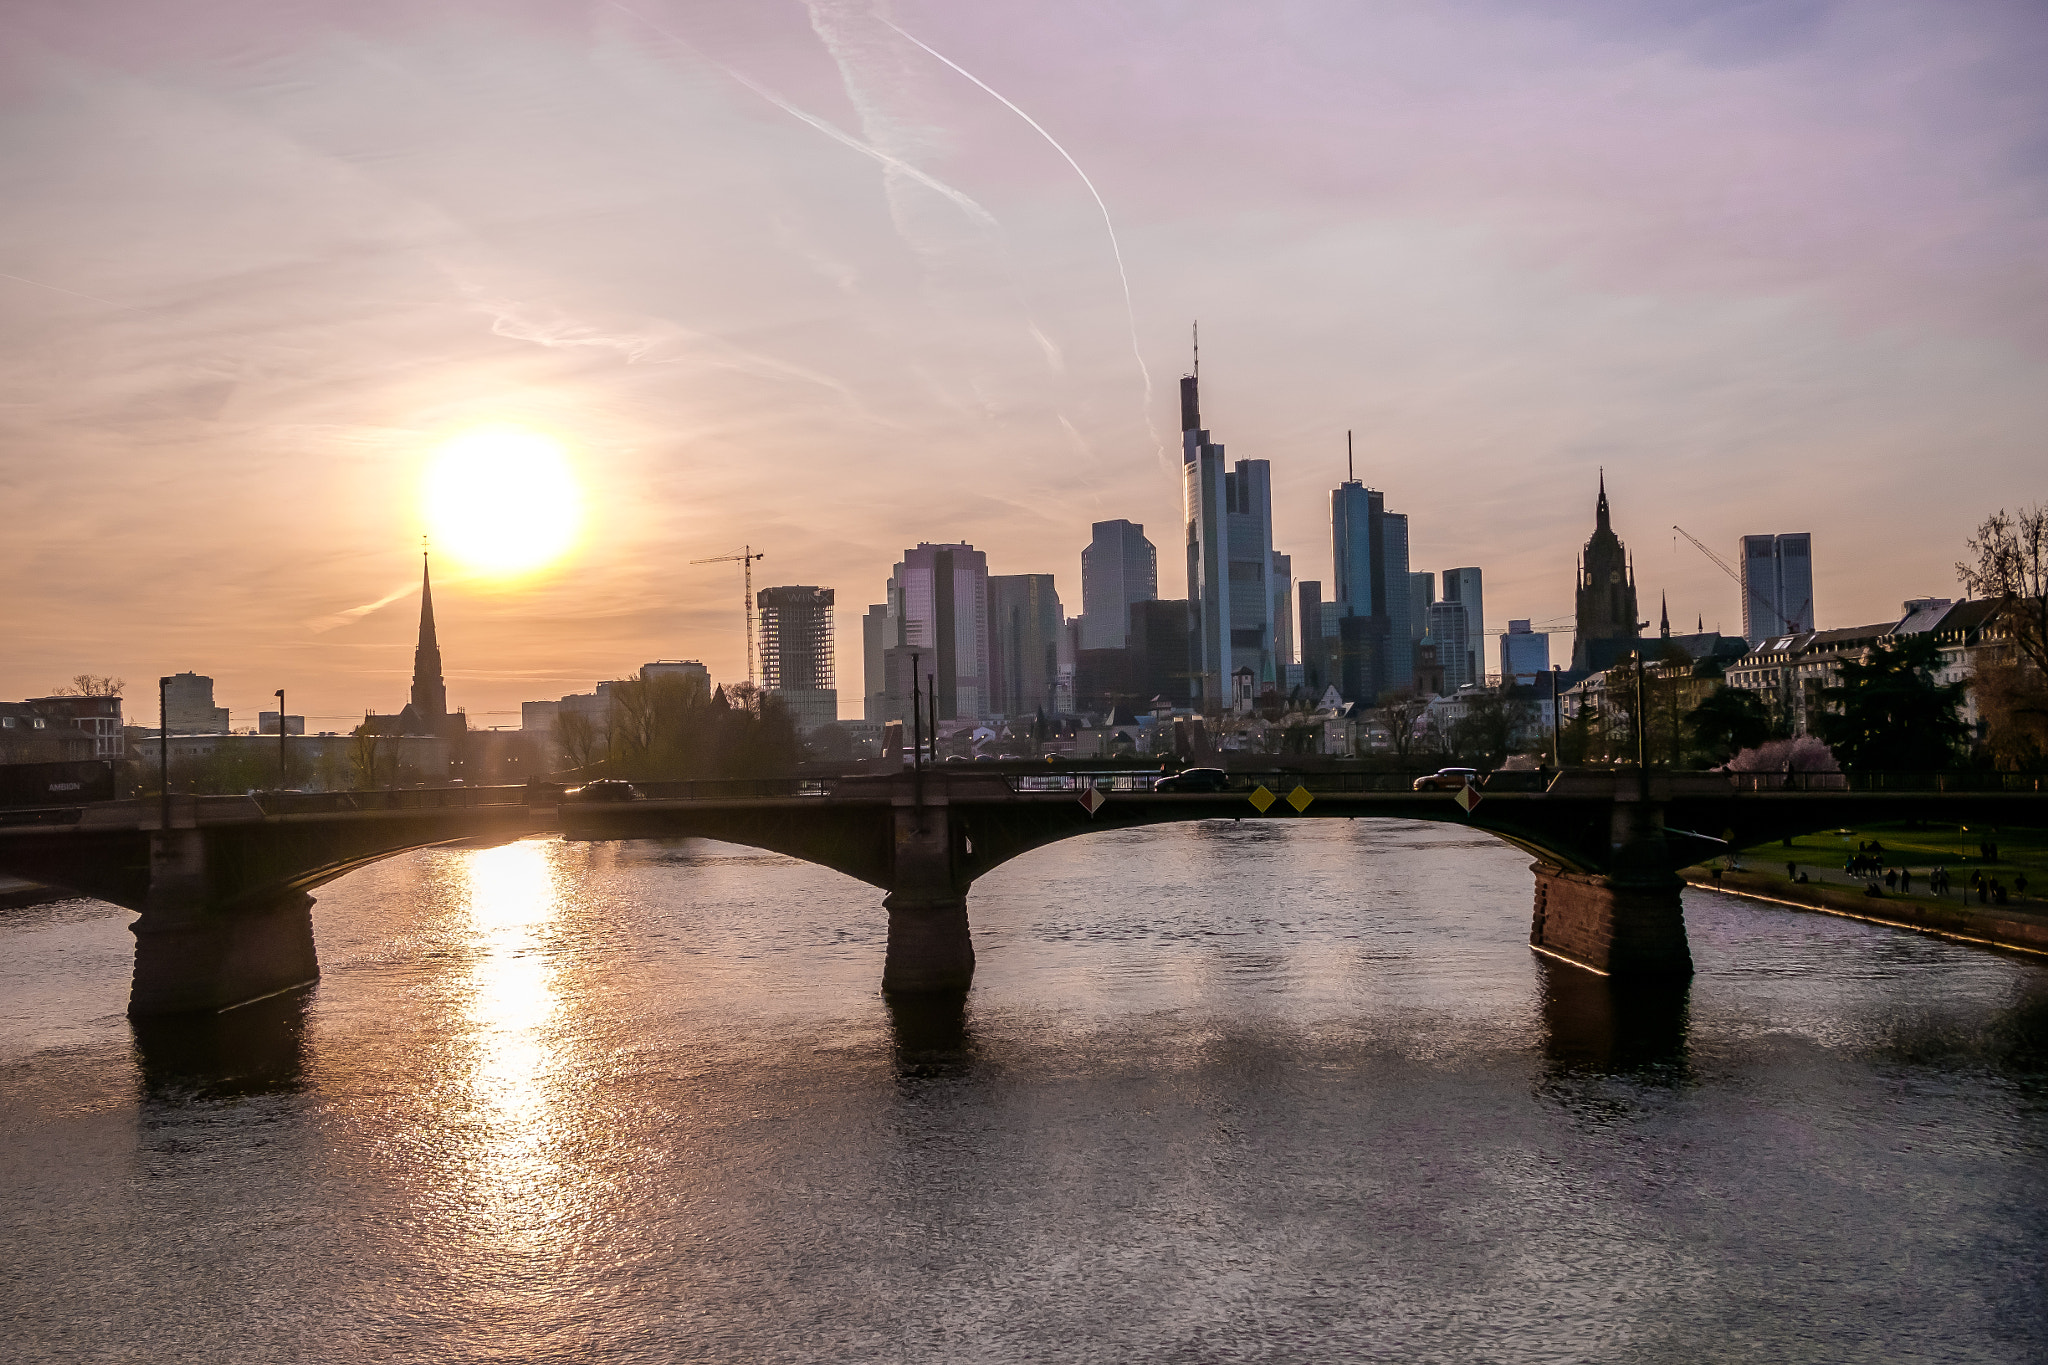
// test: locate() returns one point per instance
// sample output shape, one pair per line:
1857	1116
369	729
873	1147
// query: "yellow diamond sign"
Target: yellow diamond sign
1262	800
1299	798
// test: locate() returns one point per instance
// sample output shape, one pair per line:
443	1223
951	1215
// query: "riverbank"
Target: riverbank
2000	925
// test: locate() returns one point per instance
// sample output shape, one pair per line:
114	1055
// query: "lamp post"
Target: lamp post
916	717
283	772
1556	723
163	748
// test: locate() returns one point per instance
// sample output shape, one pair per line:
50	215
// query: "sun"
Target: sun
503	500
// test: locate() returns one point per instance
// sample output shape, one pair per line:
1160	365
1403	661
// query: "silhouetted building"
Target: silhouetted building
1777	585
427	712
267	721
1315	646
1607	628
878	631
797	653
1229	562
1369	550
1023	650
1118	567
1462	589
1159	640
693	673
188	706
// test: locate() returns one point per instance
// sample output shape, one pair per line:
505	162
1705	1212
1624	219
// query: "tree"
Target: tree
91	685
1403	707
2011	568
1485	733
579	740
363	756
1730	720
1888	714
2012	701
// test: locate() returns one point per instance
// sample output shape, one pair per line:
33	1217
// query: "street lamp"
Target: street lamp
163	747
283	775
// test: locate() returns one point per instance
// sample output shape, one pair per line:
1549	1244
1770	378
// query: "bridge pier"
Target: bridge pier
195	954
1628	923
930	947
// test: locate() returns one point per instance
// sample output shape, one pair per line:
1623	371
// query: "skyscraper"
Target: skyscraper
1118	567
1777	585
797	653
939	594
1462	587
1369	551
1524	654
1606	616
1229	562
1024	628
1281	584
878	632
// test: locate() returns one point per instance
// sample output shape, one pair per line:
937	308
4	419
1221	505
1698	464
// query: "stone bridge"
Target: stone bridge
223	887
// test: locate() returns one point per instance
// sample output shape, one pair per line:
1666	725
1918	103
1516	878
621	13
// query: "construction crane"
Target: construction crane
744	557
1764	609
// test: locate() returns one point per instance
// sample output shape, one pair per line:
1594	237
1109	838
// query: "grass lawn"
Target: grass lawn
1920	848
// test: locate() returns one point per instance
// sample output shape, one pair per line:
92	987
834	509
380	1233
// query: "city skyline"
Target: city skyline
1564	268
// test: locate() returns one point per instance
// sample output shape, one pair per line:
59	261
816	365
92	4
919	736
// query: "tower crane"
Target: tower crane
744	557
1765	608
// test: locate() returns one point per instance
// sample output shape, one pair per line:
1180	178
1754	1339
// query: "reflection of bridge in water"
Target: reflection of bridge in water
223	887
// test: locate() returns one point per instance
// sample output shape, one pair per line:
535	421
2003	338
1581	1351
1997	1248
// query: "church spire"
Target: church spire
1664	627
1600	508
429	694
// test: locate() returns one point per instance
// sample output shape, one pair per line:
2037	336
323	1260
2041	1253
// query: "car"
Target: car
1448	780
1194	780
604	789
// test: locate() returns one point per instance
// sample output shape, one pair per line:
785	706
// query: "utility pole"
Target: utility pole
745	558
916	716
283	767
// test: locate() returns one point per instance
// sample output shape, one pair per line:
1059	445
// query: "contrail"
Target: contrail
320	625
966	204
1130	311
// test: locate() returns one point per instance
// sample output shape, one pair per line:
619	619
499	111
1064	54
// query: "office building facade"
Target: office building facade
797	653
1524	654
1118	567
1024	629
939	595
1777	585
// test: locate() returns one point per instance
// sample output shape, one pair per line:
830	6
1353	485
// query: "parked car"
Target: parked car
604	789
1194	780
1448	780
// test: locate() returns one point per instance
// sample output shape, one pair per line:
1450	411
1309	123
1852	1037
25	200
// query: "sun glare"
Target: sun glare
503	500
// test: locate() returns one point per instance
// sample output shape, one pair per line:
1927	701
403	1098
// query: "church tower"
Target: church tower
429	694
1607	625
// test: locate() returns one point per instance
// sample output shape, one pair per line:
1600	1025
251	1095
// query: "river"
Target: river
1271	1090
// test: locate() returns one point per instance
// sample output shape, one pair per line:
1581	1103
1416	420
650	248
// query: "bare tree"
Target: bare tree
362	756
1403	708
91	685
579	740
2011	568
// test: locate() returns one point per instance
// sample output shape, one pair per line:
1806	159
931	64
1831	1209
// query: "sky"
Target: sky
782	273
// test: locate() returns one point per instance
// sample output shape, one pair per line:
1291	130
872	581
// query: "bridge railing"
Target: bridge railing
1937	783
1275	781
397	798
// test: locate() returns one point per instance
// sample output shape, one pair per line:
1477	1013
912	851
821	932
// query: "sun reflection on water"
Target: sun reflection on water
512	1008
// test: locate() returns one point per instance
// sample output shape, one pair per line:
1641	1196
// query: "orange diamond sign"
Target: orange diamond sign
1093	800
1468	797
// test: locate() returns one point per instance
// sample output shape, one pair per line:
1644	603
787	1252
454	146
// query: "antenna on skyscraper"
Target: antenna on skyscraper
1350	474
1198	348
